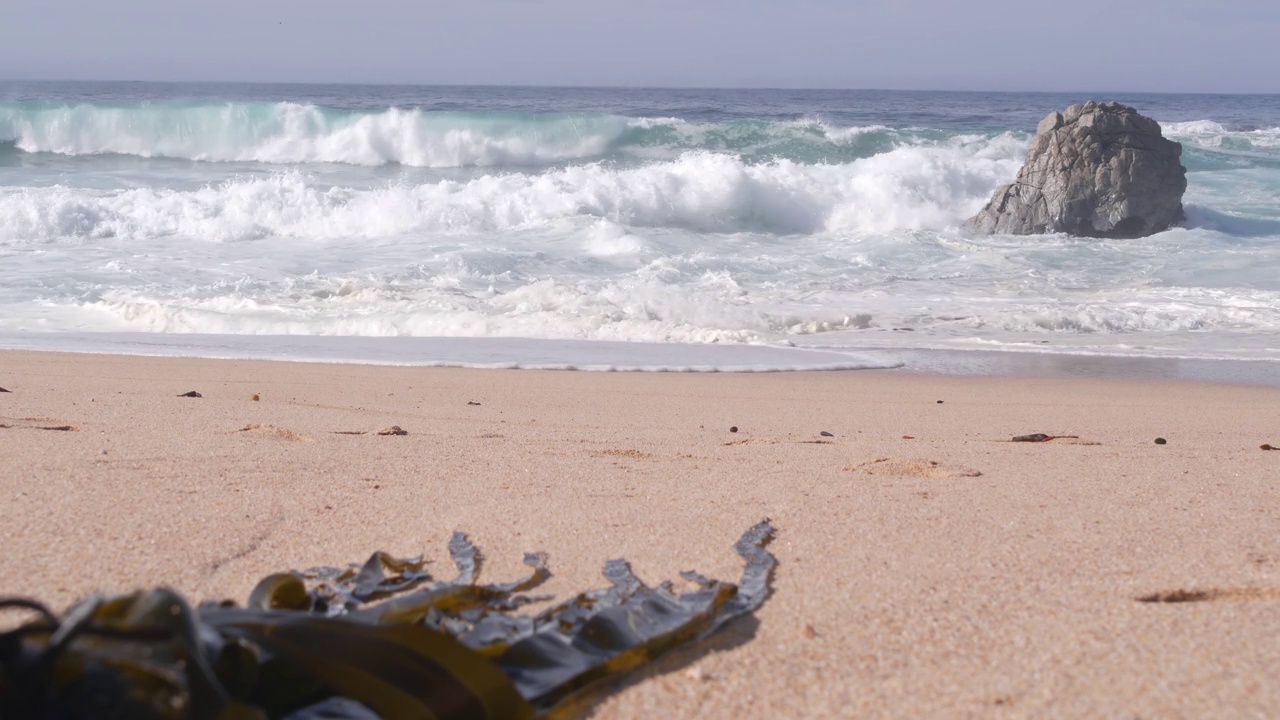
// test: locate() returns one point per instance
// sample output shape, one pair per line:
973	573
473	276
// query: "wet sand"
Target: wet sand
952	574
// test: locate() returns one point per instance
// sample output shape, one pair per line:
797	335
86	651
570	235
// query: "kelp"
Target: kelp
383	639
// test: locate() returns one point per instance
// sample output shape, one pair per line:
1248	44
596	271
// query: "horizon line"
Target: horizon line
626	87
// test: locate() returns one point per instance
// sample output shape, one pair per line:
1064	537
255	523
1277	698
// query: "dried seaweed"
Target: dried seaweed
1041	437
382	639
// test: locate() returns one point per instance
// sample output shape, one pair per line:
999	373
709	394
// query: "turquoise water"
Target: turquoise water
813	219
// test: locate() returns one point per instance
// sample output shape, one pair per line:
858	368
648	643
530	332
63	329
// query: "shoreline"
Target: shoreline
614	356
927	566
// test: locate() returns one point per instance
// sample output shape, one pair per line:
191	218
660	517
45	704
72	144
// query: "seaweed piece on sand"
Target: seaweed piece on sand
381	639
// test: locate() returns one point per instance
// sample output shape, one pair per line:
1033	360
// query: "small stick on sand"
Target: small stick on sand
1041	437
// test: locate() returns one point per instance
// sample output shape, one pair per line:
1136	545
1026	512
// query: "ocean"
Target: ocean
637	229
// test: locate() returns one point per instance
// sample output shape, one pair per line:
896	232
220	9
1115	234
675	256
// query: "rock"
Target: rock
1092	171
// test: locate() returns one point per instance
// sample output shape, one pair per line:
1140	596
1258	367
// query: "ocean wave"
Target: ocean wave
291	133
643	307
913	187
297	133
1210	135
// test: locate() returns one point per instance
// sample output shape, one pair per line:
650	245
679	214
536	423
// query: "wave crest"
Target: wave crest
291	133
918	187
296	133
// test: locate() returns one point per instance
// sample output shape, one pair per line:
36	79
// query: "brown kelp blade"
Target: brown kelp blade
380	639
599	635
397	671
137	655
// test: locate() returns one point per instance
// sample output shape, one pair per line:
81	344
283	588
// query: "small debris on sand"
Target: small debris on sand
1265	446
1041	437
939	402
392	430
472	402
273	431
733	429
26	424
1161	441
808	632
908	437
907	467
193	393
255	397
1237	594
3	390
824	433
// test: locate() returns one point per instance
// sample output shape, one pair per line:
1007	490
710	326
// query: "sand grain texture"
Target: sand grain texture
906	593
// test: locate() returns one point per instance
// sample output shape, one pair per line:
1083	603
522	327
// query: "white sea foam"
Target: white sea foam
489	353
1210	134
908	188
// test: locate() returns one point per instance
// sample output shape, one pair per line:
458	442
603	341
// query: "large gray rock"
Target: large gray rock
1094	171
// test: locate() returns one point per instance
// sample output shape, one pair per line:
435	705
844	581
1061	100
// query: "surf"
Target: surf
297	133
907	188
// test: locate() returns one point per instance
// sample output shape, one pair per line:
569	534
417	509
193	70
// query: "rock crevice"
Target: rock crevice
1094	170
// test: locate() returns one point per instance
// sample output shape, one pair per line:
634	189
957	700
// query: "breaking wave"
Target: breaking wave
1213	134
286	133
916	187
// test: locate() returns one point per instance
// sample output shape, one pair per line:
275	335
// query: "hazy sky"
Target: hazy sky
1135	45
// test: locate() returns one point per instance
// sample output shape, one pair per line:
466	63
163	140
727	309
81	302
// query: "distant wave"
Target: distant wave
1210	135
297	133
286	133
912	187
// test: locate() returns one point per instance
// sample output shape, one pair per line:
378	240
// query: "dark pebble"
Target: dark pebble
1161	441
824	433
3	390
193	393
1267	447
939	402
472	402
733	429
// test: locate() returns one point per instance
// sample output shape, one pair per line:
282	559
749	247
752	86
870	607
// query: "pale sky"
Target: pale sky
1129	45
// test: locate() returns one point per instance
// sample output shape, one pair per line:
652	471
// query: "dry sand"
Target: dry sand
909	584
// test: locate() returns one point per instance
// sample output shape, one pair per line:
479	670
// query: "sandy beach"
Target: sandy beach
927	566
